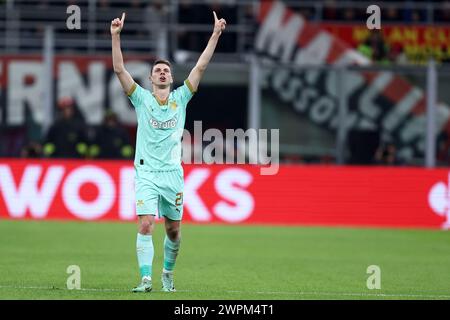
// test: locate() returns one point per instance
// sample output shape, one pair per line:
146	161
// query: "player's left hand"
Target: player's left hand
219	25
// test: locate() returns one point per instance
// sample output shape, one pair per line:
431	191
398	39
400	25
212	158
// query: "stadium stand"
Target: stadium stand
178	29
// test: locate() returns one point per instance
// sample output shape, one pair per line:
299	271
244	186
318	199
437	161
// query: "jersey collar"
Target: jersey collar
161	102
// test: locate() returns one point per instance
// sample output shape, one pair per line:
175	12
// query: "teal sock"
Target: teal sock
144	249
170	253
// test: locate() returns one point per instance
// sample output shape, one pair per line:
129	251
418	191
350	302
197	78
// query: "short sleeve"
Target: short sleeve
136	95
185	92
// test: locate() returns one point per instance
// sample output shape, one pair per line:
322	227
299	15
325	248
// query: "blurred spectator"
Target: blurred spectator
375	47
11	140
392	14
443	146
330	11
292	158
43	4
137	4
443	13
66	138
32	150
445	58
414	15
349	14
307	13
103	4
417	16
327	159
111	140
397	55
386	154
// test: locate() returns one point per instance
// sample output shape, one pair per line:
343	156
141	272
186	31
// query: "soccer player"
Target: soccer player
159	178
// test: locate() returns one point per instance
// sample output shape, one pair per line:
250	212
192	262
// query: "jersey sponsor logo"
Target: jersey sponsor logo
169	124
173	105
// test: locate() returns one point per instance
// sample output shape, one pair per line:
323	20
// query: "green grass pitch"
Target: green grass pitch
224	262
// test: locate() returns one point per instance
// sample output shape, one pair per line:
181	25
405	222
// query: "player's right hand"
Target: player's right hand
219	25
117	24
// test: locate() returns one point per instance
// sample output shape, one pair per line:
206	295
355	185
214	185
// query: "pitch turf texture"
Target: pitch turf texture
224	262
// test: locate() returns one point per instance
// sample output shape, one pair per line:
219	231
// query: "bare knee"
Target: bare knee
146	225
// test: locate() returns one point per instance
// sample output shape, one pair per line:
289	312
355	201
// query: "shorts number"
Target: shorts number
179	199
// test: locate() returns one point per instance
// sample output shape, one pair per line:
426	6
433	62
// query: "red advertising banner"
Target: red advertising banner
416	41
297	195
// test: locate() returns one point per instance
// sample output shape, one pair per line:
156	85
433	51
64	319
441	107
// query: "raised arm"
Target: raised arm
197	72
125	78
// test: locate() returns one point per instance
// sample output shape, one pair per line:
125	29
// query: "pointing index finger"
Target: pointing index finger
123	17
215	16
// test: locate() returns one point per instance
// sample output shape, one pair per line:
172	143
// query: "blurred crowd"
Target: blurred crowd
70	137
378	50
385	154
408	12
145	20
191	15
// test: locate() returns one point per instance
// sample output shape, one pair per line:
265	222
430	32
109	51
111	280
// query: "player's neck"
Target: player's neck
162	93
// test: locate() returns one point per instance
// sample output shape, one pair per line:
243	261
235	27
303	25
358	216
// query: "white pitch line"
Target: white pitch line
361	294
65	289
297	293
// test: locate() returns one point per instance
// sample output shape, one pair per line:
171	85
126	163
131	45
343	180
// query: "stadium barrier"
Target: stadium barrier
297	195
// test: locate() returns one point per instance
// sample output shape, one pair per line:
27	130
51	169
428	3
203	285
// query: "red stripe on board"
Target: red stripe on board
397	89
264	9
419	107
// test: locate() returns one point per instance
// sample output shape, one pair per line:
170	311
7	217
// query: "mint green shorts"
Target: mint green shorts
159	191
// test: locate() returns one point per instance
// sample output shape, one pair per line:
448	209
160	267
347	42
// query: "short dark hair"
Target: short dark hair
163	61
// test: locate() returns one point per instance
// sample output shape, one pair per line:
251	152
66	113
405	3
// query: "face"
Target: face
161	75
111	121
67	112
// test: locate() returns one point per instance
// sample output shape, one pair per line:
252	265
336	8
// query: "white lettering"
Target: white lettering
280	38
25	88
90	98
244	203
127	199
93	209
27	196
194	202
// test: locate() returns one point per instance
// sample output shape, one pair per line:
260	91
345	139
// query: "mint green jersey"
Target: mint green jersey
160	127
